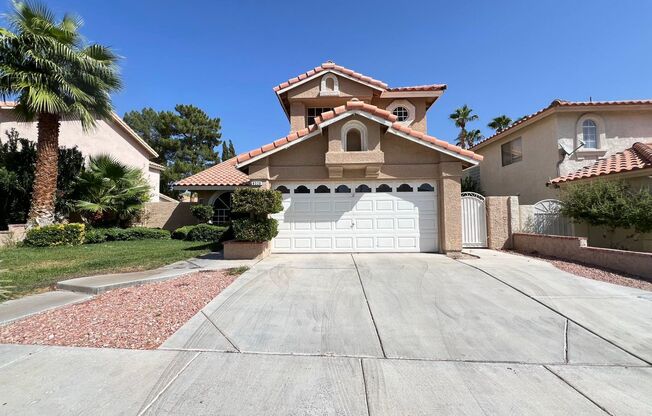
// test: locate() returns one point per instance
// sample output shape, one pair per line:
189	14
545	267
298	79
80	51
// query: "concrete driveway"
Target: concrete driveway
369	334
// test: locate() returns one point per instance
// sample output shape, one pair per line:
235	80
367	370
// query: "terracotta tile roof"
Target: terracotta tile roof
431	87
332	66
557	104
222	174
637	157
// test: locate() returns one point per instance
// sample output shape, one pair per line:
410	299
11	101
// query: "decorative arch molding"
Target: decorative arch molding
326	89
579	132
411	109
354	125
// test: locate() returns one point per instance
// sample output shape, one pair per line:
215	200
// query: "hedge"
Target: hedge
100	235
55	235
256	201
199	232
256	230
203	213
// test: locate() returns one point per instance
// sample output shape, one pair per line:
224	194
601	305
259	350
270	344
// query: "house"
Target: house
556	141
358	171
112	137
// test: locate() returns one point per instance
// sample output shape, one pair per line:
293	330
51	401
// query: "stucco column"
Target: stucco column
450	206
297	116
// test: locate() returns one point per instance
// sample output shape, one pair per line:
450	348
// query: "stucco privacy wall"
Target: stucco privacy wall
167	215
502	220
576	249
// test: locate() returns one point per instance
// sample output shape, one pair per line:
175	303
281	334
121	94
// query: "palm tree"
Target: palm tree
472	137
500	123
462	116
54	76
110	191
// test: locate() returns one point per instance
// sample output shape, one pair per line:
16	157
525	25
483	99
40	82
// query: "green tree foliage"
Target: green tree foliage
111	192
203	213
186	140
54	75
17	162
258	203
228	150
500	123
613	204
462	117
471	185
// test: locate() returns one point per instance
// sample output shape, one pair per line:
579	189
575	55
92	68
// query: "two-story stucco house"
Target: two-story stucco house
113	137
358	171
557	141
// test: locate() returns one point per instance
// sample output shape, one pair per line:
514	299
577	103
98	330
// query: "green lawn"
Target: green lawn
30	269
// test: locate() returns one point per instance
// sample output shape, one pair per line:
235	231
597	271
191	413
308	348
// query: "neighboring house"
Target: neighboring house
357	171
112	137
558	140
633	166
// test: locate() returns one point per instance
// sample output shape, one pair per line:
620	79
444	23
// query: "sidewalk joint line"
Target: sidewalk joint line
578	391
366	390
373	320
219	330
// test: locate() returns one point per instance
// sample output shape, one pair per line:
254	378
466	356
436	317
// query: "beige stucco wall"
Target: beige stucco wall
621	130
106	138
420	120
527	178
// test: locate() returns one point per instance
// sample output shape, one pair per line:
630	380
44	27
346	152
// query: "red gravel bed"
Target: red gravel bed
595	273
140	317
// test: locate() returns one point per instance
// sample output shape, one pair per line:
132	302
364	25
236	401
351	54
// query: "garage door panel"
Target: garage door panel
376	221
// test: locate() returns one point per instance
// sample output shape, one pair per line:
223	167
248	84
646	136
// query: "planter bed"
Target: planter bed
140	317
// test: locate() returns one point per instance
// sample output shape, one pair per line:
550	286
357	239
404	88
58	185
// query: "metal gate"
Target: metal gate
474	220
548	219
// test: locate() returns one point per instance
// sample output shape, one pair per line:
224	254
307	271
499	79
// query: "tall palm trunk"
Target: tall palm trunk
45	177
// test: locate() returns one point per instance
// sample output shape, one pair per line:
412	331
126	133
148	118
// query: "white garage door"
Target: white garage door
357	217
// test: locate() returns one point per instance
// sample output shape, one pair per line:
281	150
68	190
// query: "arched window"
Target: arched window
354	136
403	110
283	189
329	85
222	209
384	188
590	134
342	189
426	187
322	189
404	188
361	189
401	113
301	190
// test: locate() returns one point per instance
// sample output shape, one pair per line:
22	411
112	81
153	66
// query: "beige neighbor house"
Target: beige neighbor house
358	172
112	137
556	141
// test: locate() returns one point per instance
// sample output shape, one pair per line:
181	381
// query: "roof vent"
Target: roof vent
354	99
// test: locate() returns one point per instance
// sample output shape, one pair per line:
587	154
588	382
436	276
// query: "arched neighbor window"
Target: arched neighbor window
590	134
354	136
329	85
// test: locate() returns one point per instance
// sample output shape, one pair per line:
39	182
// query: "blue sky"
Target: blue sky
510	57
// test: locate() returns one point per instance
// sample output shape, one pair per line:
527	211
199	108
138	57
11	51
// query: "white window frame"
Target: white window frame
362	129
324	90
600	136
411	109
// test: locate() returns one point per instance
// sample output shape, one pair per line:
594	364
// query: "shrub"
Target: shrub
471	185
205	232
257	230
203	213
55	235
181	233
613	204
256	201
100	235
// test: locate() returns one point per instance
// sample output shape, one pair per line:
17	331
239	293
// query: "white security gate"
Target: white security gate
370	216
548	219
474	220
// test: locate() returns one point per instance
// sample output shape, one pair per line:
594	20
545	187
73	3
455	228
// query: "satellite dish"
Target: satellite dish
566	149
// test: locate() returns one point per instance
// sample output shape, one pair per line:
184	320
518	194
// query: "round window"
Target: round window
401	113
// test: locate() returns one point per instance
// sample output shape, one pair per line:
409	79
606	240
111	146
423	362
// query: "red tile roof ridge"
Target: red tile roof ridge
331	66
427	87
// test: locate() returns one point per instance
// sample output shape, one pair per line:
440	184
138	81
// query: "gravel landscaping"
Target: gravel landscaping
141	317
595	273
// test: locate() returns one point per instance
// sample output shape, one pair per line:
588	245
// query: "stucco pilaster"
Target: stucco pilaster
450	206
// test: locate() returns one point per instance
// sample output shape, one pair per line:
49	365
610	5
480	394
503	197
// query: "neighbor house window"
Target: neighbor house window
590	134
512	152
314	112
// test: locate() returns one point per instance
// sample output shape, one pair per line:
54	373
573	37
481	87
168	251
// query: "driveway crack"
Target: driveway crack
220	331
373	320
